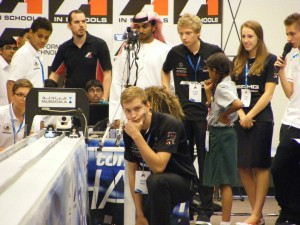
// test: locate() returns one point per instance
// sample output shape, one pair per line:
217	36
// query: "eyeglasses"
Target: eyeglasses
20	95
93	90
7	47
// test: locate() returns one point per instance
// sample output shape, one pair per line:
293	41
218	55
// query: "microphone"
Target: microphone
287	48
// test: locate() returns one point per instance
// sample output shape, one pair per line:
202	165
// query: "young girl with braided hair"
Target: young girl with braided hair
220	167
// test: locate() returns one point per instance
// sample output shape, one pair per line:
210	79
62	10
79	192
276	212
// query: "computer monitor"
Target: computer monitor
56	101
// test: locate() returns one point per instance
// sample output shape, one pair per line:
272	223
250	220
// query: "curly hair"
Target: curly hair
162	100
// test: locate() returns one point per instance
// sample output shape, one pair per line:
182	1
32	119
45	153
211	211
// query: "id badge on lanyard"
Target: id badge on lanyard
140	182
141	177
195	92
246	92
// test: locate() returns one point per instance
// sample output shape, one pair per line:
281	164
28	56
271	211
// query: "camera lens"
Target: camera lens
63	118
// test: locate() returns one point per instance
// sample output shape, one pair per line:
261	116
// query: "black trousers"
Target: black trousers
165	191
196	134
286	174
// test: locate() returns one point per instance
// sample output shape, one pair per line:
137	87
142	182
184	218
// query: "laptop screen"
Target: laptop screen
97	112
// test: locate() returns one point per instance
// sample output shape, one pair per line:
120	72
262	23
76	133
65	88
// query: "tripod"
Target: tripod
132	47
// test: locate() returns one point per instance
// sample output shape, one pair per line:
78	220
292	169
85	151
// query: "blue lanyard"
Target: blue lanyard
43	75
13	124
246	74
192	65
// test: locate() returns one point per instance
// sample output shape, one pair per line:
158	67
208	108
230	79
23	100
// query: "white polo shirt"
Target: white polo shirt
27	64
292	113
11	130
4	74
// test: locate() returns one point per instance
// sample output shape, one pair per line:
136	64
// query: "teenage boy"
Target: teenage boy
286	167
12	116
27	62
160	171
94	90
8	47
188	63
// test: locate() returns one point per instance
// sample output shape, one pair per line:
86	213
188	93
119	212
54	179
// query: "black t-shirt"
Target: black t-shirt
177	61
82	64
166	134
256	84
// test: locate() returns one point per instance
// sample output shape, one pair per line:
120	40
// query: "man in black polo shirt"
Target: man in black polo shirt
188	63
83	57
160	171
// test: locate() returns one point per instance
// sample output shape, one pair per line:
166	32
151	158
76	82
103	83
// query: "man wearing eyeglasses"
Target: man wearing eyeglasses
12	116
94	90
8	47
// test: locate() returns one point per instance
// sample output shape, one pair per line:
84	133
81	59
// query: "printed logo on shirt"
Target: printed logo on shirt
36	65
251	87
171	137
89	55
7	129
180	70
96	11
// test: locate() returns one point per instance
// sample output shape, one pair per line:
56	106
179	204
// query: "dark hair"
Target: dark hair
220	62
23	32
7	41
93	83
41	23
76	11
21	83
293	18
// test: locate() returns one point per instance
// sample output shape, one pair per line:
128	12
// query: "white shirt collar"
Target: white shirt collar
31	49
3	63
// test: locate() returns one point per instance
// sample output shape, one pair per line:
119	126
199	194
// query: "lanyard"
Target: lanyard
13	124
192	65
246	74
43	75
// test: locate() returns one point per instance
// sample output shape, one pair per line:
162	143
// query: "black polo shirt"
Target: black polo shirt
183	72
256	84
166	134
82	64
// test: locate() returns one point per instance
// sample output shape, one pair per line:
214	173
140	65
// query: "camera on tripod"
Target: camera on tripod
131	36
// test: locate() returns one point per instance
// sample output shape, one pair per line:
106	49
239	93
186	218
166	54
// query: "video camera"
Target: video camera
131	36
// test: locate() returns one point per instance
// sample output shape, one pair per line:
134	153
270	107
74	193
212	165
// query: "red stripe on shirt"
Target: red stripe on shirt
61	69
99	72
